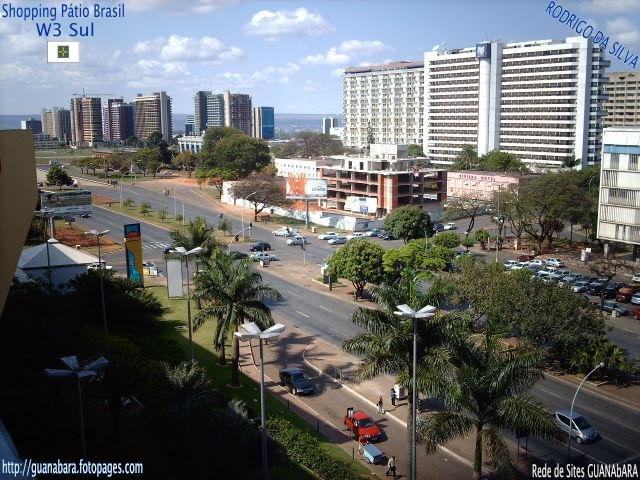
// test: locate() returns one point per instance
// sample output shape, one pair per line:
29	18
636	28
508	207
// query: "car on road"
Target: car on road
361	425
256	257
297	240
611	306
328	235
149	265
259	246
635	299
449	226
96	266
296	381
236	255
580	428
554	262
438	227
284	232
337	240
356	235
85	215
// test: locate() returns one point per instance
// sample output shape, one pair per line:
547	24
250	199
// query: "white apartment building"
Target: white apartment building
540	100
302	167
619	204
383	104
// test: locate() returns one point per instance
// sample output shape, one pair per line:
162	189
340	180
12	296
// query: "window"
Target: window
563	419
633	161
614	161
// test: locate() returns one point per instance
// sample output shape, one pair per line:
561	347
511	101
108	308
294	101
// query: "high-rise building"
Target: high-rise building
619	204
208	111
540	100
328	123
263	123
31	124
56	122
200	111
382	104
622	105
237	111
153	114
117	120
86	120
188	126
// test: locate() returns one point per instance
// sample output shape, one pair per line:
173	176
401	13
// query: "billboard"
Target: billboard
303	187
133	252
361	204
65	202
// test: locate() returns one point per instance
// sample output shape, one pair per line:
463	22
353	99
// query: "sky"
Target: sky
286	54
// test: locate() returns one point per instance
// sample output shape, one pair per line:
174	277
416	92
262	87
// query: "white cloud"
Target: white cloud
179	48
346	51
149	46
337	72
611	6
623	31
284	80
25	43
310	86
286	22
197	6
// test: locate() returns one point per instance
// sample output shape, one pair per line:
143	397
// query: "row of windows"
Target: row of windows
551	68
621	196
521	86
549	101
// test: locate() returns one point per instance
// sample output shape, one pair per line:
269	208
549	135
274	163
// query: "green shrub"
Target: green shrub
304	448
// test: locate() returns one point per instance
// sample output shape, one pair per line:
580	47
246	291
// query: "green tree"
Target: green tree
128	203
415	150
58	177
162	214
199	234
224	225
211	137
447	239
148	160
467	242
145	209
233	293
497	161
241	153
262	191
359	261
514	209
466	206
270	170
156	140
482	236
408	223
485	393
607	267
467	159
187	161
218	175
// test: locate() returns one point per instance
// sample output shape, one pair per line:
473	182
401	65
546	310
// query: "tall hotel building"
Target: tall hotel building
623	100
383	104
86	121
56	122
153	114
237	111
541	100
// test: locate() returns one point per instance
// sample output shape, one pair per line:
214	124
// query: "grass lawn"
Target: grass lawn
250	392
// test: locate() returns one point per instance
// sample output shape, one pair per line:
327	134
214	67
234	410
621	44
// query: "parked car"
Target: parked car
235	255
256	257
635	299
337	240
537	263
580	428
450	226
438	227
618	285
636	313
525	258
361	425
610	292
96	266
554	262
580	286
283	232
520	266
625	293
169	250
259	246
297	240
610	306
296	381
636	277
510	263
328	235
373	233
595	288
388	236
569	278
547	271
355	235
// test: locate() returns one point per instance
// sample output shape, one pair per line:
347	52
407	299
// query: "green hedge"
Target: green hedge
304	448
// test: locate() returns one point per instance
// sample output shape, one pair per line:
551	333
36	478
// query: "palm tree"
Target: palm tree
386	345
199	234
233	292
485	389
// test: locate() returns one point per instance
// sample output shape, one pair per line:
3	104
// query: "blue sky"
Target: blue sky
286	54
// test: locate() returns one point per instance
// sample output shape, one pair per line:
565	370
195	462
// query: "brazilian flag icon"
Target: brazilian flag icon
63	51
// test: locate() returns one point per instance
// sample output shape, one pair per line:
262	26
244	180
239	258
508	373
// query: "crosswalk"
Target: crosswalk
155	245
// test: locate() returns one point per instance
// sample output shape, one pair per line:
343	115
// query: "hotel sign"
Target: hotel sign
468	176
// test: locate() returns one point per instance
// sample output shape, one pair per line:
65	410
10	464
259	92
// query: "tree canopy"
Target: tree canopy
240	153
415	150
262	191
148	160
359	261
311	144
58	177
211	137
494	161
408	223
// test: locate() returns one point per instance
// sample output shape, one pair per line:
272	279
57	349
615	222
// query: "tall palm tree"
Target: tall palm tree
386	345
485	390
233	292
199	234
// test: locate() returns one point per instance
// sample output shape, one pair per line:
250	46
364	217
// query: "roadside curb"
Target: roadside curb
628	404
136	218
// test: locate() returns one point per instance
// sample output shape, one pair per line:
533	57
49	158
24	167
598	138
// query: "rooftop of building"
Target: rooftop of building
487	173
399	65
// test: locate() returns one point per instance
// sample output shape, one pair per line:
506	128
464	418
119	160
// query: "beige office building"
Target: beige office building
86	121
622	105
153	114
237	111
56	122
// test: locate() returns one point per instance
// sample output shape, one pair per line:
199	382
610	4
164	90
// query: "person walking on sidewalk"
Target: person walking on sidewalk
380	405
393	397
391	466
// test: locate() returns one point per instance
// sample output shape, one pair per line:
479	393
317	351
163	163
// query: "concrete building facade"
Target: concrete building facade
209	111
56	122
153	114
622	104
191	143
237	111
263	123
302	167
86	121
31	124
118	120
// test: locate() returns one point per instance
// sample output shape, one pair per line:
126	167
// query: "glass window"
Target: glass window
614	160
633	161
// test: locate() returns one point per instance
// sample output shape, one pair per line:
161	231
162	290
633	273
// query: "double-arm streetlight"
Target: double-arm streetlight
408	312
242	213
600	365
95	233
186	254
253	331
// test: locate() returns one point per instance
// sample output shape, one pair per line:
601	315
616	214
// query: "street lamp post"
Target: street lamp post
186	254
425	312
253	331
600	365
242	211
95	233
175	195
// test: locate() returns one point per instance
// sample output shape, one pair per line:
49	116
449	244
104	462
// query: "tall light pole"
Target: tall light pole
175	195
253	331
186	254
242	211
95	233
408	312
600	365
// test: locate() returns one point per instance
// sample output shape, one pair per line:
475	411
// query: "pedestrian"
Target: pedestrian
391	466
393	397
380	405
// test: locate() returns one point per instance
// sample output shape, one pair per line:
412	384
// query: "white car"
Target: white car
327	236
636	277
450	226
355	235
96	266
511	263
372	233
536	263
554	262
337	240
520	266
635	299
263	256
284	232
297	240
149	265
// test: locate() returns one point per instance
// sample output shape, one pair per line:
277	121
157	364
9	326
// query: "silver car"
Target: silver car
581	430
337	240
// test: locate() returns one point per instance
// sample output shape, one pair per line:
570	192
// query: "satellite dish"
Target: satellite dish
435	48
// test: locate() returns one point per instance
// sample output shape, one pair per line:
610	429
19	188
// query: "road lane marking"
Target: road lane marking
294	294
325	308
301	313
616	443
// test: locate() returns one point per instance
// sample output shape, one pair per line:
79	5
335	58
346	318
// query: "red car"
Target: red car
636	314
362	426
525	258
